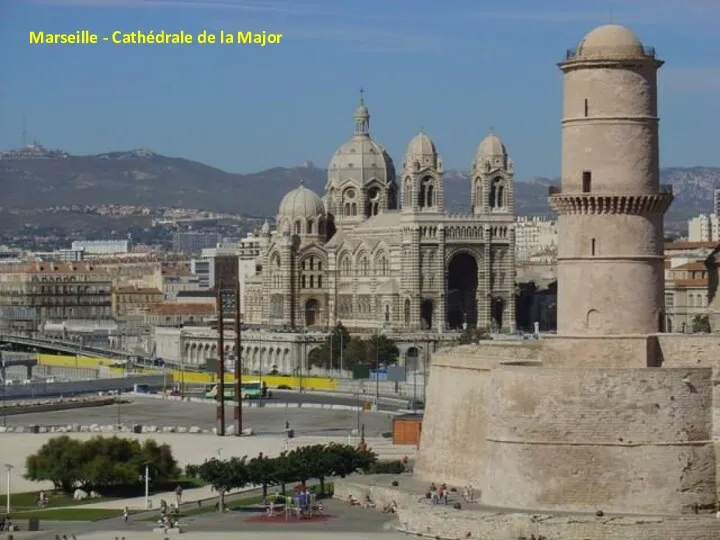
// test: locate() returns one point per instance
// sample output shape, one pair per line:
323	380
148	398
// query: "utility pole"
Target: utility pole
377	372
220	395
238	367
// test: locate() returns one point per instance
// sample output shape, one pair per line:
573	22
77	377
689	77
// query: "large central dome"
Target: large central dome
361	159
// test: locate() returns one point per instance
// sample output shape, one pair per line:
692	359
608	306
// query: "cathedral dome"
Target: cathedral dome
361	158
610	40
421	145
301	203
491	146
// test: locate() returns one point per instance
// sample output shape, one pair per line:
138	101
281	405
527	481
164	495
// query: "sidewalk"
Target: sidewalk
138	503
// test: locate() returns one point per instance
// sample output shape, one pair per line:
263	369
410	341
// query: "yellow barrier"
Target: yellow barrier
273	381
67	360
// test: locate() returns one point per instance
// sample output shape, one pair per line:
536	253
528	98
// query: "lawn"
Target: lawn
68	514
27	501
236	504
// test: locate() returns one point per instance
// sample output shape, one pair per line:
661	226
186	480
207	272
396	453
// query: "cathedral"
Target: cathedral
380	253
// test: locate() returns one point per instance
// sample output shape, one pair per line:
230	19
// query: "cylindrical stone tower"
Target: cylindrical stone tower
611	205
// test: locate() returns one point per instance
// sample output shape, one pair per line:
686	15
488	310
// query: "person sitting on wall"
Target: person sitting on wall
368	502
352	501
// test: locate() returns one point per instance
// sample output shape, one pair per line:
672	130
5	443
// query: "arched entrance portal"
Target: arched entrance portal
462	283
411	359
426	313
498	311
312	309
313	358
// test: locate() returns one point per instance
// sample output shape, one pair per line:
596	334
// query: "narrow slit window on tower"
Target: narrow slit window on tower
586	181
593	246
586	108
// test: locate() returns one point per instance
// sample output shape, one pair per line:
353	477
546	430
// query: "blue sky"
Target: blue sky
454	68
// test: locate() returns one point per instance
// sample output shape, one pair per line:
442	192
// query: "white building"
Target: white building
534	234
704	228
101	247
248	250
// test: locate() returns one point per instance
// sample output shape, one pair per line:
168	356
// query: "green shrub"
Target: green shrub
386	467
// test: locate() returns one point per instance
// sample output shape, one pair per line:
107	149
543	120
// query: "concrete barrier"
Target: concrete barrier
24	408
82	387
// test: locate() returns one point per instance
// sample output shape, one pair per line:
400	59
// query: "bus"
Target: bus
249	390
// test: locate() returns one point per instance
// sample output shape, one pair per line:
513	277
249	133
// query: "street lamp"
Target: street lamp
147	485
7	500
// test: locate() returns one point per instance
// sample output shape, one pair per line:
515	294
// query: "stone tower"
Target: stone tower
422	185
610	206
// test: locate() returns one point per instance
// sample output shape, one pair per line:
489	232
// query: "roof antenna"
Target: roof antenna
24	132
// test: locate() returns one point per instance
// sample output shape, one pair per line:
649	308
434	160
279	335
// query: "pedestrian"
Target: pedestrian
178	494
126	514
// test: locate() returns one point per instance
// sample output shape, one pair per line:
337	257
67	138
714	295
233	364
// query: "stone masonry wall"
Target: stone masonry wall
587	351
416	516
454	428
619	440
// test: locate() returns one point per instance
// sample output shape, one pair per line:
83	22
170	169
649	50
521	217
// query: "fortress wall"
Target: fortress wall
691	350
588	351
452	446
620	440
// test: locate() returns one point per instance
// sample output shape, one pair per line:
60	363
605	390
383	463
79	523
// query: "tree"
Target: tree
225	475
262	472
99	462
333	349
59	460
701	324
473	335
344	459
384	349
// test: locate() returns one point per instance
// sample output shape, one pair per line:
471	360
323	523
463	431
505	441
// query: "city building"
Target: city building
193	242
64	255
248	250
101	247
716	202
31	295
533	235
133	300
180	314
177	279
374	253
704	228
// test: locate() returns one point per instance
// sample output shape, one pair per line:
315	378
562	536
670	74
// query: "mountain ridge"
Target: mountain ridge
32	180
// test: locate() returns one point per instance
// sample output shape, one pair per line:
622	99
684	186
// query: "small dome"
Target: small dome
421	145
610	40
265	227
301	203
491	146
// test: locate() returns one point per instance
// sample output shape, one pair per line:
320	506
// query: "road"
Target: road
264	421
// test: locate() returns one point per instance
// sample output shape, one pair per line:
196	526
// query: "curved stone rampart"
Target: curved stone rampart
454	434
621	440
476	521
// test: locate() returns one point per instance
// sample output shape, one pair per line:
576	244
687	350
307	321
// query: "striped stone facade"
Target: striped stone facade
381	254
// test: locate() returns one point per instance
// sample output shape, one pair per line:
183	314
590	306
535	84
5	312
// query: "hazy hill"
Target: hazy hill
145	178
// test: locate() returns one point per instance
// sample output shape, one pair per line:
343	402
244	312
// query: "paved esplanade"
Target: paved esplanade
342	522
265	421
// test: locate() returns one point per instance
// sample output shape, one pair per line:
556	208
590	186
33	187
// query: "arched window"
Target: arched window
310	226
345	266
364	266
298	227
496	197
